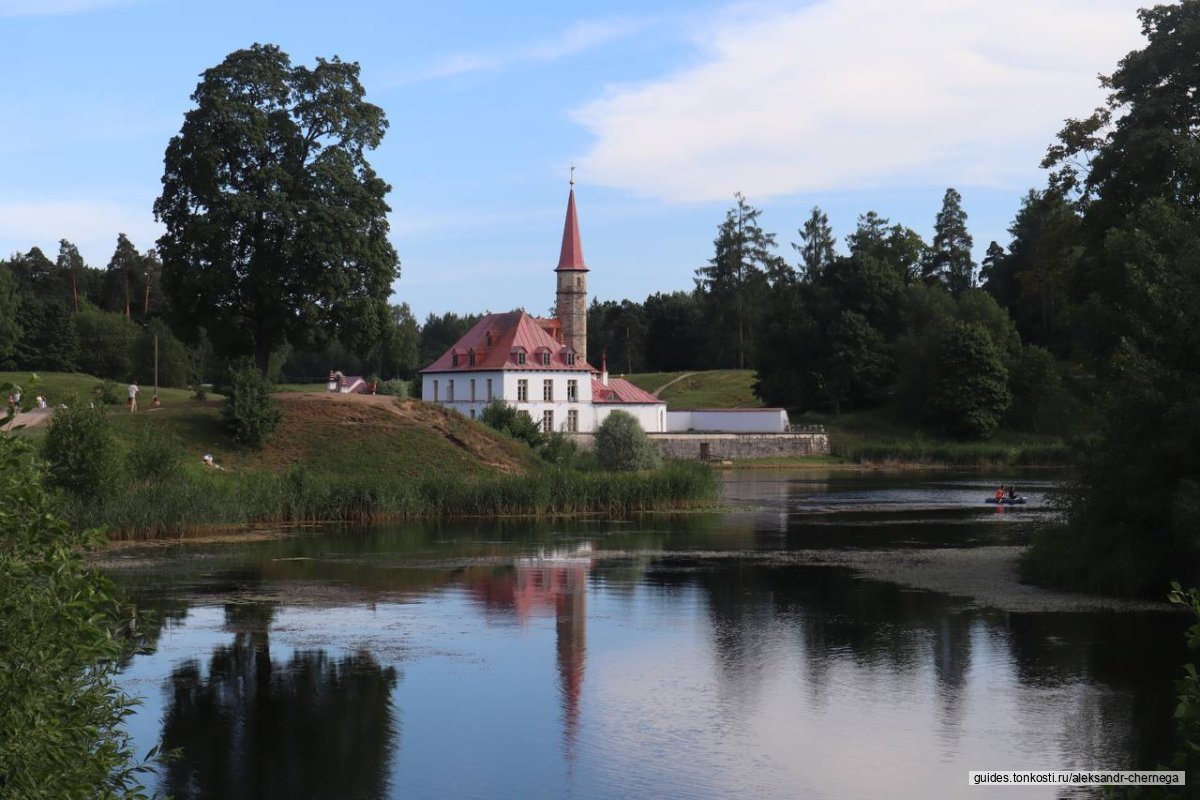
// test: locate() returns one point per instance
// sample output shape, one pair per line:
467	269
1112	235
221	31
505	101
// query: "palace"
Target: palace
540	365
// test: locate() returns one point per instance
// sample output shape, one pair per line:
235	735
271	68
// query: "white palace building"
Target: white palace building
540	365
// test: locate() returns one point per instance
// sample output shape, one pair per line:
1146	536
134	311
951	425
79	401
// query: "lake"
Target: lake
742	653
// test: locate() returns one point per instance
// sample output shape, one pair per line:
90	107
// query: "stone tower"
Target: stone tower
571	306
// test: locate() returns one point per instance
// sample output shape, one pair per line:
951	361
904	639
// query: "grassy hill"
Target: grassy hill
58	386
721	388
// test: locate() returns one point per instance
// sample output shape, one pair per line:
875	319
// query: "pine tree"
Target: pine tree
949	263
70	264
816	252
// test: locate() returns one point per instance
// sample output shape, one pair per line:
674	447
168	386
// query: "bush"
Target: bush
559	449
174	359
108	394
250	412
79	449
395	387
508	420
156	454
621	444
61	638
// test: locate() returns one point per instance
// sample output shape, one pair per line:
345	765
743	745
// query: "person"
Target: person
1012	493
133	393
208	461
999	494
41	401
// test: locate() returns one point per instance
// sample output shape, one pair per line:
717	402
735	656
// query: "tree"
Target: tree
62	635
80	451
502	417
174	361
110	337
949	260
673	327
276	226
969	396
816	252
250	413
123	277
439	334
48	340
70	265
734	282
399	356
622	445
10	330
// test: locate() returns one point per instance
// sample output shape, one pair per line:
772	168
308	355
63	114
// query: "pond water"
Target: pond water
693	656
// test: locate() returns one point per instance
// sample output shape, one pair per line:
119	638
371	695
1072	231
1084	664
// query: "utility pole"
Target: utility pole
156	402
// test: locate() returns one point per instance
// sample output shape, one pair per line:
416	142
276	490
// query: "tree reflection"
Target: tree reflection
310	727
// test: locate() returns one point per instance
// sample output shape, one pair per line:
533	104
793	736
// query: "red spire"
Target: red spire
571	257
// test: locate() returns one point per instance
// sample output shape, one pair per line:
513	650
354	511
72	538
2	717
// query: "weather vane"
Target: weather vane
572	173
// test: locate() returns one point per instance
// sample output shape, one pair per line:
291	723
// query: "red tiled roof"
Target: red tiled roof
620	390
570	257
510	330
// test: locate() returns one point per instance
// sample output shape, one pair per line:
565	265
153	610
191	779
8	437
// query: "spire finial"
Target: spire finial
572	173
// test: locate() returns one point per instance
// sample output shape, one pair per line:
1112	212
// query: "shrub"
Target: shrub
250	412
508	420
79	449
559	449
395	387
621	444
61	638
108	393
156	454
174	359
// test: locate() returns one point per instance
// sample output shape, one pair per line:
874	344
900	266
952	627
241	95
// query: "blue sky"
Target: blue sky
667	108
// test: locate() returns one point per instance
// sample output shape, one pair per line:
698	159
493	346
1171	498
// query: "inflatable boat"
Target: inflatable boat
1007	501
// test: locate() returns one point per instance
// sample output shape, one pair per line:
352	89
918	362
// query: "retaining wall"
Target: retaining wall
722	446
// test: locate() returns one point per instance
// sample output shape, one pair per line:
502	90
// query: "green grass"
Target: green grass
301	387
57	386
721	388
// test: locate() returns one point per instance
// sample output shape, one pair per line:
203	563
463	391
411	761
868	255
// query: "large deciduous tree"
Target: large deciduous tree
276	227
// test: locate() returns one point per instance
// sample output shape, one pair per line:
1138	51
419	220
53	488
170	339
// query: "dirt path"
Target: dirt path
672	382
34	418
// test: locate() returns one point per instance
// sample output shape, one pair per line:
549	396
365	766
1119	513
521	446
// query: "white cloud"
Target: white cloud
46	8
91	225
846	94
578	38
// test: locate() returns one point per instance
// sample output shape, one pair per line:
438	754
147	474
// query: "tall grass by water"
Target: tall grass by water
197	500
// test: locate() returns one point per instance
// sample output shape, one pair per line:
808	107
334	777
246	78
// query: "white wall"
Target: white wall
651	416
759	420
505	387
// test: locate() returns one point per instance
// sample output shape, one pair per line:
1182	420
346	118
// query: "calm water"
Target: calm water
676	658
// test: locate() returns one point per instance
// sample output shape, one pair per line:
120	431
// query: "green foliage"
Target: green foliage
816	252
61	638
508	420
110	337
970	394
10	330
107	393
439	334
622	445
559	450
277	153
948	262
1041	400
1187	712
396	387
79	449
48	340
250	413
155	454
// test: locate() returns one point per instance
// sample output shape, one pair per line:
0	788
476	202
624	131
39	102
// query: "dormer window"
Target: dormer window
545	358
471	357
571	358
454	359
489	339
518	356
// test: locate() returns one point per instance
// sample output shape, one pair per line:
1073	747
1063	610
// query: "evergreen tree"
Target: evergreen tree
949	260
734	282
123	277
10	330
70	266
817	245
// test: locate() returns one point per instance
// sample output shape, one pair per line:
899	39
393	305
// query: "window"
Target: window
572	391
519	356
548	390
435	391
547	421
454	359
573	421
546	359
471	358
472	393
522	391
571	357
489	390
449	391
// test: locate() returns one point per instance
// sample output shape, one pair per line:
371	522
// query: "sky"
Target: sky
665	108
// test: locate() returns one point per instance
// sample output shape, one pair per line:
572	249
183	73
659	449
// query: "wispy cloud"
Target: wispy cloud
844	94
578	38
47	8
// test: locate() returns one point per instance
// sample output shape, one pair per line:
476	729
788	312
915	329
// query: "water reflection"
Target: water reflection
253	727
670	657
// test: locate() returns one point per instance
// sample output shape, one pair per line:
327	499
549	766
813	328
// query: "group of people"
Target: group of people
14	402
1006	491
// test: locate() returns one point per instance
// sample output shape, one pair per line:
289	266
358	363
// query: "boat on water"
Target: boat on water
1006	501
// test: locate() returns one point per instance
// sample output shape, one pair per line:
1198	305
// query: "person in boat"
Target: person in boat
999	494
1012	493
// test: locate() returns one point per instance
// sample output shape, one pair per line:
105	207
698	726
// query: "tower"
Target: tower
571	305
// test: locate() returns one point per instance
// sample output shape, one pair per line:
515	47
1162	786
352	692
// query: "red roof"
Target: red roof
571	256
511	333
620	390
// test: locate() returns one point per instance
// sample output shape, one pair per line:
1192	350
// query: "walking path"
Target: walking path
672	382
33	418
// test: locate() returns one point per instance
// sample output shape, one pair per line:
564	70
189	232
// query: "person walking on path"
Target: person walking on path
133	393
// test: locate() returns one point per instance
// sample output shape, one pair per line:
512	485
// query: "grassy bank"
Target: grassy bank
198	499
718	388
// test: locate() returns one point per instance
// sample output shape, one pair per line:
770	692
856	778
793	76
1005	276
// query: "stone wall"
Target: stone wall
723	446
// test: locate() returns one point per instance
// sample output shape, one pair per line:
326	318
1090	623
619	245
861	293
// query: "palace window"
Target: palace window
489	390
546	359
572	391
547	421
519	356
449	391
472	394
573	421
522	391
571	357
548	390
471	358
